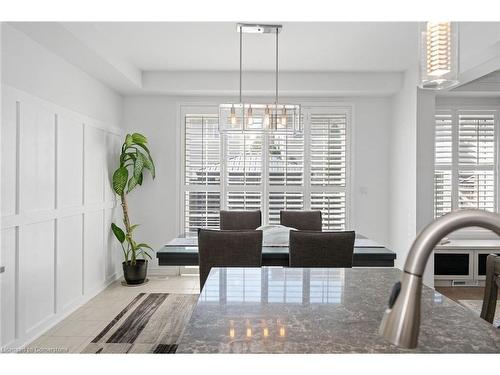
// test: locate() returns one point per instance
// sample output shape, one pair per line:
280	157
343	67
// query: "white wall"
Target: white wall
155	205
402	167
411	168
30	67
60	137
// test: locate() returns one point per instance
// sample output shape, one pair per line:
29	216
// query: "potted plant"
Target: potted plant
135	159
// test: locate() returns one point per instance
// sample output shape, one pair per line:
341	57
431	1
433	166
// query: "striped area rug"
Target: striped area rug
150	323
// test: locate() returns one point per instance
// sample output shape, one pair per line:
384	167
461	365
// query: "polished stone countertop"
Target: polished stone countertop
320	310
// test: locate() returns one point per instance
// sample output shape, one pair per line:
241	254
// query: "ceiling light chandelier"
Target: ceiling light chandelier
259	117
438	55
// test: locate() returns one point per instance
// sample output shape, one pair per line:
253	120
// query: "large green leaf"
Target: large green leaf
139	138
118	232
139	164
131	184
120	178
129	140
148	164
144	147
129	156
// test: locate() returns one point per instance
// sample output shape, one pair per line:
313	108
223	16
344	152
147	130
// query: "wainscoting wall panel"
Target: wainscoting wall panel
9	160
70	260
8	313
69	162
57	207
36	275
93	259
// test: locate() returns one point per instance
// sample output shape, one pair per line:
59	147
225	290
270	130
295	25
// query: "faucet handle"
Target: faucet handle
396	289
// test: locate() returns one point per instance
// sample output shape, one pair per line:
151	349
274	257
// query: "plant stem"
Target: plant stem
126	220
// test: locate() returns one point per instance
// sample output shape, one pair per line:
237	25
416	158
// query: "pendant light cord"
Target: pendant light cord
277	32
241	56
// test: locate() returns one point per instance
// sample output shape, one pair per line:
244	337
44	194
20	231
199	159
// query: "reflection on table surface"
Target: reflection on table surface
270	286
274	285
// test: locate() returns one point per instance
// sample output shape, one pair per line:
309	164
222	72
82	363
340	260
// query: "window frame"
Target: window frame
212	108
455	110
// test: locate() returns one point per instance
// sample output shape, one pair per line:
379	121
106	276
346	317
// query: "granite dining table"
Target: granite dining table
321	310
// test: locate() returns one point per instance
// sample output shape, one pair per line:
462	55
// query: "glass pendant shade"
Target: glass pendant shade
260	118
438	55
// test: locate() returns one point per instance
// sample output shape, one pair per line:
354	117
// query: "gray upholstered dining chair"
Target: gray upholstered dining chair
302	220
240	220
228	248
491	287
321	249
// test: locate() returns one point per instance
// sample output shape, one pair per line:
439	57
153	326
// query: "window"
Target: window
266	171
465	160
201	172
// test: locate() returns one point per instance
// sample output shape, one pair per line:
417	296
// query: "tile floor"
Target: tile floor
75	332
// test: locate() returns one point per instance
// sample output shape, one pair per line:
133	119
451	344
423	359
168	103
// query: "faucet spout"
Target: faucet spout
401	322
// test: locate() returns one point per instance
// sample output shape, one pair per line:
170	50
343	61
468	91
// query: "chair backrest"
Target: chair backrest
240	220
321	249
228	248
302	220
491	287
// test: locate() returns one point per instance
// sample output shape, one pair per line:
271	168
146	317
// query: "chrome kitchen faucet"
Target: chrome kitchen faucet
401	322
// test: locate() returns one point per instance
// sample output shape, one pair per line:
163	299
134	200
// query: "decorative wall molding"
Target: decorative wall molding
57	206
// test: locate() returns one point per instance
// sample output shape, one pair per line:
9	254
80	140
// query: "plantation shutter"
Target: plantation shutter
269	171
202	150
201	172
286	159
465	160
328	155
286	174
476	164
243	158
201	210
283	201
328	149
243	200
443	161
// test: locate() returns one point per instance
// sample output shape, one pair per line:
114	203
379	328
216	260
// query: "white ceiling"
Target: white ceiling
202	58
213	46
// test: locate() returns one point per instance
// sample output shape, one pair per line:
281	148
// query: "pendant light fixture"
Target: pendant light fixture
259	117
438	55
